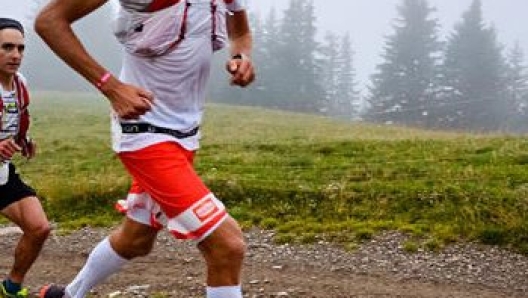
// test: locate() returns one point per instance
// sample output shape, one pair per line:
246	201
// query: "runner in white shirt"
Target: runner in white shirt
158	102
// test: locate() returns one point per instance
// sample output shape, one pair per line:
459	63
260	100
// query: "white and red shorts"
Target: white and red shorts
167	192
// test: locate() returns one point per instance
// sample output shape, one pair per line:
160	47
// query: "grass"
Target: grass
307	177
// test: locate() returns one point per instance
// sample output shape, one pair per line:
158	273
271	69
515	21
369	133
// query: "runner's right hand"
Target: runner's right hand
128	101
8	147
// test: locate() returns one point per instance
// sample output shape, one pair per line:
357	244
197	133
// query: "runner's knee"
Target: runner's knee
139	249
226	252
131	247
233	251
39	232
236	249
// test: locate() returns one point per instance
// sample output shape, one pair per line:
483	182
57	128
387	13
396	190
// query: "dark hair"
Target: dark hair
10	23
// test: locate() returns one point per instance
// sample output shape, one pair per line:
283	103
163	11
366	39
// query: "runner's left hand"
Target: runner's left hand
241	69
30	150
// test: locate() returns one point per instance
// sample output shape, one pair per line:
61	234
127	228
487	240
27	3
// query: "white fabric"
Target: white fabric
10	118
137	5
102	263
224	292
4	172
141	5
141	208
237	5
10	114
149	34
178	80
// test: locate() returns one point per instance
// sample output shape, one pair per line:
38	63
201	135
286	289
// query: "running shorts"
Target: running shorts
167	192
14	190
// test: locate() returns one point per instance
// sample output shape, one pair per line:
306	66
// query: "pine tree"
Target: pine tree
404	86
346	98
473	75
269	69
517	85
329	73
297	77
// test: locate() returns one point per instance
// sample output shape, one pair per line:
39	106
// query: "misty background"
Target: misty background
448	64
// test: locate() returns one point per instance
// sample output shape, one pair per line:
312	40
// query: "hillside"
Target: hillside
309	178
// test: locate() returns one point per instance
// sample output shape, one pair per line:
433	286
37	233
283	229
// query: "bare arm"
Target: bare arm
241	67
54	25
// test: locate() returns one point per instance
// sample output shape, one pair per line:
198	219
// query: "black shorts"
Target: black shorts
14	190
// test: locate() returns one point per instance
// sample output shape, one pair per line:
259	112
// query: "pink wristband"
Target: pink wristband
103	80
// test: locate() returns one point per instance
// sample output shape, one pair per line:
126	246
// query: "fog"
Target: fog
367	21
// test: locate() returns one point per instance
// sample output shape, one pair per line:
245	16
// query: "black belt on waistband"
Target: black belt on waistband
147	127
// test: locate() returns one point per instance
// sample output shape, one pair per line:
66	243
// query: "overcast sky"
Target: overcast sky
368	21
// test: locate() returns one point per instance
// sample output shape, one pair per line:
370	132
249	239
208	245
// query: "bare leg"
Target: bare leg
30	217
224	251
130	240
133	239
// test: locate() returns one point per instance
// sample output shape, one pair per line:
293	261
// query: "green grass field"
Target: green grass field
307	177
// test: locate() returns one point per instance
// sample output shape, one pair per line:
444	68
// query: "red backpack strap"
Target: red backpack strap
23	102
22	93
183	29
213	19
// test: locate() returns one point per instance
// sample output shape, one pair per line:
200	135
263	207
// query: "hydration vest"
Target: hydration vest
162	25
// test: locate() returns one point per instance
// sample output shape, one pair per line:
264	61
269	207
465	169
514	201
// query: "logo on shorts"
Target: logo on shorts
205	209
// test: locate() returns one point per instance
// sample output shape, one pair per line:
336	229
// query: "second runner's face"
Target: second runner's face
11	51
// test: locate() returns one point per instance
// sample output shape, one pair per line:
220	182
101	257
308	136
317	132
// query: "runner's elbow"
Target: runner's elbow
46	22
42	24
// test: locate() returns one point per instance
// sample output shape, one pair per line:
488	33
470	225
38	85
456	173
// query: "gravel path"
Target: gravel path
378	268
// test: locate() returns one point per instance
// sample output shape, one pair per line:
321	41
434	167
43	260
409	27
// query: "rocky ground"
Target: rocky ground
378	268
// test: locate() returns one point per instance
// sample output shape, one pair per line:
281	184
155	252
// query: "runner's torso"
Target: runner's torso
178	79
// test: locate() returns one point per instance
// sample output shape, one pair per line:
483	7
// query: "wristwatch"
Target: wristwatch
240	56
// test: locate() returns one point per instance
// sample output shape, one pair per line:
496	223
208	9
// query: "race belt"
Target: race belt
149	128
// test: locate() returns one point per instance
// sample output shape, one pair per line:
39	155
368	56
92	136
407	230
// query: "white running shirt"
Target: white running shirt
177	79
10	115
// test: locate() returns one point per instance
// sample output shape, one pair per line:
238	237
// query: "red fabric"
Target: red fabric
156	5
23	101
165	171
201	231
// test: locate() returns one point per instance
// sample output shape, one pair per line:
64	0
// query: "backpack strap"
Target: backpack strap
183	29
22	93
23	102
214	7
166	3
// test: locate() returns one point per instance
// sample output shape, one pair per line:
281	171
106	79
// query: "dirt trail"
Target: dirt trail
175	269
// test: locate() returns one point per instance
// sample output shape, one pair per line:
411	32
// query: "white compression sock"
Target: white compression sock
102	262
224	292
